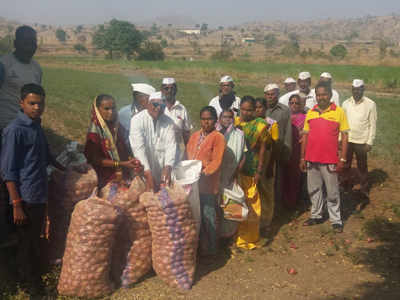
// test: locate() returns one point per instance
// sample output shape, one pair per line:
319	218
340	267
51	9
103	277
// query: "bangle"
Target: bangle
116	164
16	201
343	160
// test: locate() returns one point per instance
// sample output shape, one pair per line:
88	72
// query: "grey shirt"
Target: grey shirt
13	76
281	114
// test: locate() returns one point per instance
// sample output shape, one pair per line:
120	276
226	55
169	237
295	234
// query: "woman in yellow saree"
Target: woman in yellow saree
256	135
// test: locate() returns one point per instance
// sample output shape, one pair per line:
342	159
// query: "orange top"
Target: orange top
210	150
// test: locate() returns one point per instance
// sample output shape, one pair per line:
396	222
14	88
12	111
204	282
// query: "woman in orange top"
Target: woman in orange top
208	145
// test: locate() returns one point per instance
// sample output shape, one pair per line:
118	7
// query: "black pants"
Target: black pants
362	165
29	258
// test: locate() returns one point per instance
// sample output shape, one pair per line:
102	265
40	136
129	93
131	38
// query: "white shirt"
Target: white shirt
154	145
311	100
215	103
180	116
362	120
334	99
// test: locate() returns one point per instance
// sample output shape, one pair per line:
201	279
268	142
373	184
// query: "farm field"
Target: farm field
361	263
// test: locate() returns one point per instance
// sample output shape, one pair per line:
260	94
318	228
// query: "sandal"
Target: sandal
311	222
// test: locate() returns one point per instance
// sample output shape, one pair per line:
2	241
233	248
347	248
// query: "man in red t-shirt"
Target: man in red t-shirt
319	156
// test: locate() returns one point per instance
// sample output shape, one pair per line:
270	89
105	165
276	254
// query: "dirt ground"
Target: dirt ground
363	262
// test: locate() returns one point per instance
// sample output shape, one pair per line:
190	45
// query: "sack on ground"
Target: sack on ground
87	261
132	251
174	238
234	204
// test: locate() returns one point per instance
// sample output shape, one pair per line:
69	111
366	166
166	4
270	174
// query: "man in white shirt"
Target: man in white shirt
290	87
153	142
177	112
304	84
327	77
140	95
226	98
361	114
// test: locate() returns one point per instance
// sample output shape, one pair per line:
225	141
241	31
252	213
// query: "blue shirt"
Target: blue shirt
25	157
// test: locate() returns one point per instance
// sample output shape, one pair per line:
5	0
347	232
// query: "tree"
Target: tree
151	51
154	29
61	35
164	43
339	51
78	29
204	27
383	45
6	44
269	40
118	36
80	48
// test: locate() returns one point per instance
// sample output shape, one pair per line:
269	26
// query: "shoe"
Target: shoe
311	222
338	228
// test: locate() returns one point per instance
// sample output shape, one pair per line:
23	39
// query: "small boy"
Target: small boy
24	158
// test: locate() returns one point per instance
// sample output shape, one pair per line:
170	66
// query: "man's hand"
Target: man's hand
149	181
340	166
166	175
368	148
19	215
303	166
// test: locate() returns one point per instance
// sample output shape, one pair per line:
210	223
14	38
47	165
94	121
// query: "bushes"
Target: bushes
151	51
339	51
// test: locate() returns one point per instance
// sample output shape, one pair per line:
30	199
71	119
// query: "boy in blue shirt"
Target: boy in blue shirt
24	159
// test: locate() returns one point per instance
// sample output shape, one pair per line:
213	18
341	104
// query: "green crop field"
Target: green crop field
70	93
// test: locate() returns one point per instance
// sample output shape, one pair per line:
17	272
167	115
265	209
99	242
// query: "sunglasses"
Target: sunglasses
158	104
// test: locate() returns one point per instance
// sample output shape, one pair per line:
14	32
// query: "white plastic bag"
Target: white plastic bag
234	203
187	174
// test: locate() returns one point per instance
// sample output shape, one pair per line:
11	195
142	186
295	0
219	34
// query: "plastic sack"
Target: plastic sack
174	237
132	251
234	204
87	261
187	174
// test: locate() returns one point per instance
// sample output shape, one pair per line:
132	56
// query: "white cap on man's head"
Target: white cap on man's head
358	83
155	96
304	75
270	87
225	79
289	80
326	75
143	88
168	80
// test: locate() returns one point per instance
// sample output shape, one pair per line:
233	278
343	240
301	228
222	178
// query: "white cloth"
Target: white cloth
153	144
362	120
284	99
311	98
143	88
225	79
358	83
335	97
215	103
168	80
125	115
270	87
16	75
180	116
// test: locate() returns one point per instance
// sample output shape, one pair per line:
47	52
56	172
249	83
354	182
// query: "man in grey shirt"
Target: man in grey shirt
16	70
283	149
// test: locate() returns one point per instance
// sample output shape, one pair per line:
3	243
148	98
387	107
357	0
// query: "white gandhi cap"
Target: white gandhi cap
143	88
155	96
326	75
270	87
358	83
289	80
225	79
168	80
304	75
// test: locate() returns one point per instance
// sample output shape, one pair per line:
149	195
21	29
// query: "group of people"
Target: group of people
273	147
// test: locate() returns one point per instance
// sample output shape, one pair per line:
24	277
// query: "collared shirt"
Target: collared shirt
323	134
15	74
25	157
153	143
362	120
125	115
215	103
180	116
281	114
334	99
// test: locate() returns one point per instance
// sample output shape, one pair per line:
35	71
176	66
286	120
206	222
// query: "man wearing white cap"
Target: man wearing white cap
327	77
362	115
282	151
290	87
177	112
153	142
140	95
304	84
226	98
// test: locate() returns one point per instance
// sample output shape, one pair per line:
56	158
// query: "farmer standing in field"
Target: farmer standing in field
361	113
304	84
140	95
319	156
226	98
153	142
327	77
283	147
178	113
290	87
16	70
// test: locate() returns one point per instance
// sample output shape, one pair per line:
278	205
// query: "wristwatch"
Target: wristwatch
343	160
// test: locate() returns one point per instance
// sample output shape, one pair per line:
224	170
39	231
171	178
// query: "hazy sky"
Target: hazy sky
215	12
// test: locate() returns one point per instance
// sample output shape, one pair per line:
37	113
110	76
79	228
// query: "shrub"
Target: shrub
151	51
339	51
223	54
80	48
